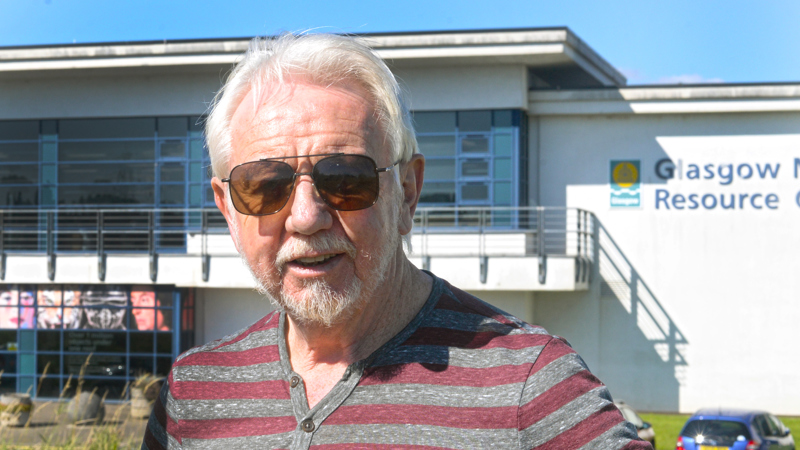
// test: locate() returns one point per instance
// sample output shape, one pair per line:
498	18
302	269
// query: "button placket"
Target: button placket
307	425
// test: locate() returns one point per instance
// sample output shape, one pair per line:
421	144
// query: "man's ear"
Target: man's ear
220	190
411	176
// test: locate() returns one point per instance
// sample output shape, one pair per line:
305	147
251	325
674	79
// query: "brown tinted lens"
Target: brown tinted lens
347	182
261	187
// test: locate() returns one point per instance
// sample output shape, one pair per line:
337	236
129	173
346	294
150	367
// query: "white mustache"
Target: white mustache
299	247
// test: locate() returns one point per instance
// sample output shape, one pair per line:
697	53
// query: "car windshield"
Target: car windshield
716	432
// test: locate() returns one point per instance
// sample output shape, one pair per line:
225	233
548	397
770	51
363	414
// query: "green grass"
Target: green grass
668	426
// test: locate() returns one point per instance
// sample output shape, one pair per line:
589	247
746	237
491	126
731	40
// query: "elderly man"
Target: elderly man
318	177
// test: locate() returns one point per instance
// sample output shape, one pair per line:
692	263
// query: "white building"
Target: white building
651	226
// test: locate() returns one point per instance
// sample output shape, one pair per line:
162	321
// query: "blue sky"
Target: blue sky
650	42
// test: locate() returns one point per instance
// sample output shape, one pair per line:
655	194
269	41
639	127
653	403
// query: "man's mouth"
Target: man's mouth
314	260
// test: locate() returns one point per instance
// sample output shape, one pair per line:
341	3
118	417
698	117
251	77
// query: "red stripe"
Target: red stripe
584	432
554	349
637	445
440	416
268	322
469	339
258	355
230	428
556	397
220	390
444	375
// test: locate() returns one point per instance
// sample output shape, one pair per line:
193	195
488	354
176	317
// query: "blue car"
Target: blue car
731	429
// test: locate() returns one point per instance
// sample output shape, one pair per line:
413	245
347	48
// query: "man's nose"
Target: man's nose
308	213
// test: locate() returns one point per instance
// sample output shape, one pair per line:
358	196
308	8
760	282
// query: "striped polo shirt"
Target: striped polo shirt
461	374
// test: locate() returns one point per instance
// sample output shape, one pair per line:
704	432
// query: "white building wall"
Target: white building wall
693	308
225	311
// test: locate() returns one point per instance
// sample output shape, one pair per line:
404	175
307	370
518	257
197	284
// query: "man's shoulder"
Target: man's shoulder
258	341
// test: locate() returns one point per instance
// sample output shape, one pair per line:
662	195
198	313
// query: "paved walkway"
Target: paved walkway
48	425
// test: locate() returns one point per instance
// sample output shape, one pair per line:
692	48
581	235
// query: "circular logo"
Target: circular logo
625	174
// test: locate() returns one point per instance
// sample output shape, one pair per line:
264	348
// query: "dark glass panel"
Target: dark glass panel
8	363
164	319
197	124
173	194
8	384
49	127
474	121
440	169
8	340
106	173
174	172
106	151
93	341
475	191
49	387
17	130
503	119
141	365
164	297
438	193
173	149
475	168
19	174
49	361
164	342
19	196
142	342
437	145
105	195
49	341
48	174
475	144
106	128
26	340
435	122
163	365
19	152
172	126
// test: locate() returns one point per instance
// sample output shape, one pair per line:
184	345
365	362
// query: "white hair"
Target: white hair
322	59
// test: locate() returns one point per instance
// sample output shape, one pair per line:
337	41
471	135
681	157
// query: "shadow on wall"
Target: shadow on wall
621	329
642	351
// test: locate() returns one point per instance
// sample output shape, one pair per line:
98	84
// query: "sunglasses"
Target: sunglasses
344	182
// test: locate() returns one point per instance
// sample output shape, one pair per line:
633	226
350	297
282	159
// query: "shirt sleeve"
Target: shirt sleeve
162	427
563	406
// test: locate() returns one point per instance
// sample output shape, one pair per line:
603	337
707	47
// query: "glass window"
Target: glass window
106	151
475	191
107	128
48	174
435	122
196	149
502	194
503	118
8	338
173	149
503	145
101	195
49	151
502	169
142	342
19	196
19	130
195	195
106	173
474	121
437	145
173	172
438	193
172	126
48	363
8	364
440	169
19	174
195	172
172	194
475	144
18	151
475	168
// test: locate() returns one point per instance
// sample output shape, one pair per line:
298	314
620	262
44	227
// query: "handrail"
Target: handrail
482	232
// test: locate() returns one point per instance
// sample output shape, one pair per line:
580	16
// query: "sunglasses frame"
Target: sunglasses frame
378	171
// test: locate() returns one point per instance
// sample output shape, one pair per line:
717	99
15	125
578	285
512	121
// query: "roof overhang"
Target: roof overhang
551	48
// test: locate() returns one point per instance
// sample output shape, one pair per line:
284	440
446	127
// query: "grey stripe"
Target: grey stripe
232	374
406	434
565	418
255	339
282	440
552	374
435	395
233	409
617	436
459	357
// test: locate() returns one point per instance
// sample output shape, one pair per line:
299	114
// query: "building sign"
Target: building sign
625	179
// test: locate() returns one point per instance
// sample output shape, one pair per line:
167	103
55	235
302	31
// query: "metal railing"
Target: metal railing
438	232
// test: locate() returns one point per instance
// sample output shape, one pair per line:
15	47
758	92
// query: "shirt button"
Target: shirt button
294	381
307	425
